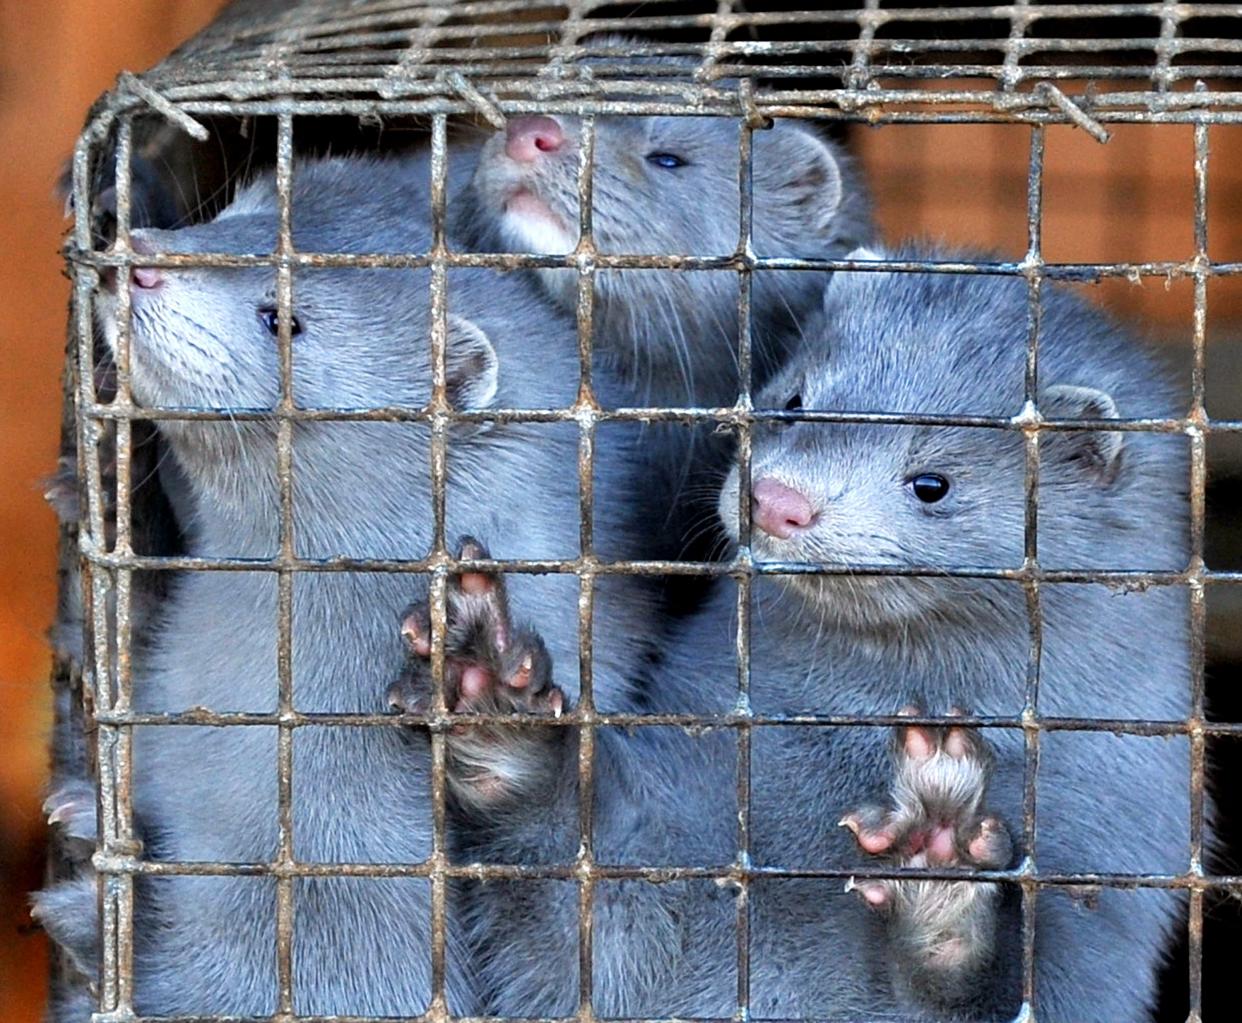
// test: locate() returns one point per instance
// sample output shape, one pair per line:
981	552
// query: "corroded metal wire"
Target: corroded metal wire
493	59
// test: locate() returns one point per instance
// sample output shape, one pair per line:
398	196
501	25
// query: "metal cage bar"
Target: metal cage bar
1030	585
391	58
284	577
1198	575
586	408
745	260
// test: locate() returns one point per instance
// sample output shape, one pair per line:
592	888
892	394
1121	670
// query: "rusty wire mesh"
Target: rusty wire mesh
495	58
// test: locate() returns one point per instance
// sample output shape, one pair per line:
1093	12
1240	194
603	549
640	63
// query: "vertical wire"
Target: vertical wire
117	753
859	73
586	407
1170	24
721	22
1197	427
95	584
439	583
1020	17
745	576
284	608
1030	714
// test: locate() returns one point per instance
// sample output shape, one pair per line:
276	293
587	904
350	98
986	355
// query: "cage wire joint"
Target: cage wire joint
1048	95
485	105
128	82
414	88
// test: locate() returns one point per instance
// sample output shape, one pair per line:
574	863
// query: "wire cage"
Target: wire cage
283	73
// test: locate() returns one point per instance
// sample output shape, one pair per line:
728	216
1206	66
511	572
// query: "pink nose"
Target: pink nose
146	277
779	510
527	138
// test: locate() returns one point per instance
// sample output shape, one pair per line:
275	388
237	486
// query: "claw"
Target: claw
416	632
991	846
521	678
404	697
474	583
873	840
61	813
874	893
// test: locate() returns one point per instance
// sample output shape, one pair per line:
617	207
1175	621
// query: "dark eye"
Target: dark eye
271	320
794	403
669	161
929	488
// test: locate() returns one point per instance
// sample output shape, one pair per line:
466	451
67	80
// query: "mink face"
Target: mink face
907	496
660	185
667	185
207	337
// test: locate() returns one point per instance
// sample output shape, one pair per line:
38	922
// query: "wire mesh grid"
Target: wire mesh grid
447	60
1014	53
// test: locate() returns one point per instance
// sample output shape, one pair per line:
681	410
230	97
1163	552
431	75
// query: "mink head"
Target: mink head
665	185
902	496
207	337
660	185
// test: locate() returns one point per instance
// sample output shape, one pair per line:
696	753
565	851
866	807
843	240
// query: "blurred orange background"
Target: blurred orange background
1128	200
55	59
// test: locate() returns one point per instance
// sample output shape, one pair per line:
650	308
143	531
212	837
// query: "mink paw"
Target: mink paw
68	912
491	666
71	807
936	819
61	490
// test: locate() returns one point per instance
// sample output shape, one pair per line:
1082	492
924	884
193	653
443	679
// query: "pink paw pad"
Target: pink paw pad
492	667
934	816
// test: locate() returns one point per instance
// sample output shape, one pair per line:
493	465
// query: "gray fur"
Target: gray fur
207	945
942	933
673	334
866	645
671	337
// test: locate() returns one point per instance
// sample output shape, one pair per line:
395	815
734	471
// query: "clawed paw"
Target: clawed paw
491	666
70	806
61	490
935	818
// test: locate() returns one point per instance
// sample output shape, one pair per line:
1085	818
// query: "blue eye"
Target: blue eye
929	487
271	321
669	161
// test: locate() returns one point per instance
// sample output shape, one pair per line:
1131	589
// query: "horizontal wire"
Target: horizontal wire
694	723
394	58
122	865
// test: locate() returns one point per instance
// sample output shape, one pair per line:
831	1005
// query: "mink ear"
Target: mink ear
1097	452
798	186
862	254
471	369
